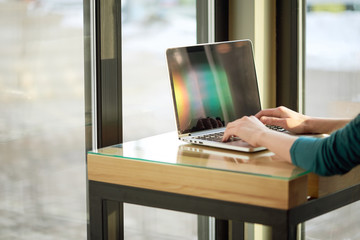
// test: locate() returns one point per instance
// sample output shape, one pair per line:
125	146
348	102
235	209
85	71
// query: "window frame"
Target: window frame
103	91
103	66
103	69
290	62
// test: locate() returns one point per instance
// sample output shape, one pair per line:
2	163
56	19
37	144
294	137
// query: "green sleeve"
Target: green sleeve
336	154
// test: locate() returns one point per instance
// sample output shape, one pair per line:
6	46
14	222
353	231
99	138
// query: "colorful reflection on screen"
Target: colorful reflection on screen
213	81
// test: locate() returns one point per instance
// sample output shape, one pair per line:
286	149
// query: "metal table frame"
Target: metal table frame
105	198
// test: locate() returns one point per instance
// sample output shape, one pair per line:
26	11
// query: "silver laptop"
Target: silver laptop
213	153
212	85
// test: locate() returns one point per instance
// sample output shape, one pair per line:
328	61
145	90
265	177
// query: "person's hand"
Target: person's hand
247	128
285	118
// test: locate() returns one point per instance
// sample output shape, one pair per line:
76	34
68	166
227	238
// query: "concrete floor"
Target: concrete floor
42	161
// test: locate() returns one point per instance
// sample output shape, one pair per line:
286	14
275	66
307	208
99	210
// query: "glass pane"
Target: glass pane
42	163
148	223
332	89
167	149
342	223
149	28
332	58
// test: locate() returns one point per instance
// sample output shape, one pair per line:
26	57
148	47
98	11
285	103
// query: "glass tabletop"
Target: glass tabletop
167	149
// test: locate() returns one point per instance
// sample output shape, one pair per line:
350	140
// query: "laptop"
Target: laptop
213	84
215	153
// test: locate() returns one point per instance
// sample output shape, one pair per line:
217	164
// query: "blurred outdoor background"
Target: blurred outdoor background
332	76
42	145
42	139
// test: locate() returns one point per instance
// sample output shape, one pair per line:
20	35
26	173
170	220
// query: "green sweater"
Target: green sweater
336	154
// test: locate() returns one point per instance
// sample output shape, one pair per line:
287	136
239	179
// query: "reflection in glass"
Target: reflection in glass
213	84
167	149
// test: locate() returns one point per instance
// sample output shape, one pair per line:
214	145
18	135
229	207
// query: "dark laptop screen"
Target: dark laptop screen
213	84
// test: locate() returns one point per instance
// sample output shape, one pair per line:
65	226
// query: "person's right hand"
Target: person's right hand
285	118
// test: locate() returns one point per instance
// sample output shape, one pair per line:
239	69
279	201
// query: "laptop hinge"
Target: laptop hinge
184	135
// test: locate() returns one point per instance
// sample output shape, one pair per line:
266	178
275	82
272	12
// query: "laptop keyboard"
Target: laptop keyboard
217	137
276	128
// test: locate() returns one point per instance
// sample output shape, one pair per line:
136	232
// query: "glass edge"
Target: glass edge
219	169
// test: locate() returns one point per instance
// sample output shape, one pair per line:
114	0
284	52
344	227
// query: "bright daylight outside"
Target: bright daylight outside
42	138
332	89
149	28
42	141
332	85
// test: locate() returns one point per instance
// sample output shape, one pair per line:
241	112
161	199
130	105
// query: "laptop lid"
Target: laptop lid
212	84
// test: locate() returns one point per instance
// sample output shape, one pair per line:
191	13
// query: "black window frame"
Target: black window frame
106	125
289	59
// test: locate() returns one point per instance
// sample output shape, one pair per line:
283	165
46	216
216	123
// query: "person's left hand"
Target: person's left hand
248	129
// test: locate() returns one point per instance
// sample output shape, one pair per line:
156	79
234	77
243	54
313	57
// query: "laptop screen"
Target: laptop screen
213	84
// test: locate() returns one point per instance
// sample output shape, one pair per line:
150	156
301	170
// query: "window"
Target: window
332	76
148	29
332	88
42	141
129	77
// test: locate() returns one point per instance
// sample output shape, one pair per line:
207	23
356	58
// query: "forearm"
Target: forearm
324	125
336	154
278	143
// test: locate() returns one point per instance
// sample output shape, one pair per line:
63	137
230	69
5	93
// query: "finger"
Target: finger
272	112
225	137
227	134
231	129
273	121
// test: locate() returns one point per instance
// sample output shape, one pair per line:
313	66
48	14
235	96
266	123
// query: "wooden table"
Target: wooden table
163	172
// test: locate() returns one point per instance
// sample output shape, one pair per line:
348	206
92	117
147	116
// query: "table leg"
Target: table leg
113	220
96	218
203	223
221	229
106	217
237	230
284	232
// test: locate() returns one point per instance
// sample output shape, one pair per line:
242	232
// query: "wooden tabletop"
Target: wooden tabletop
164	163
